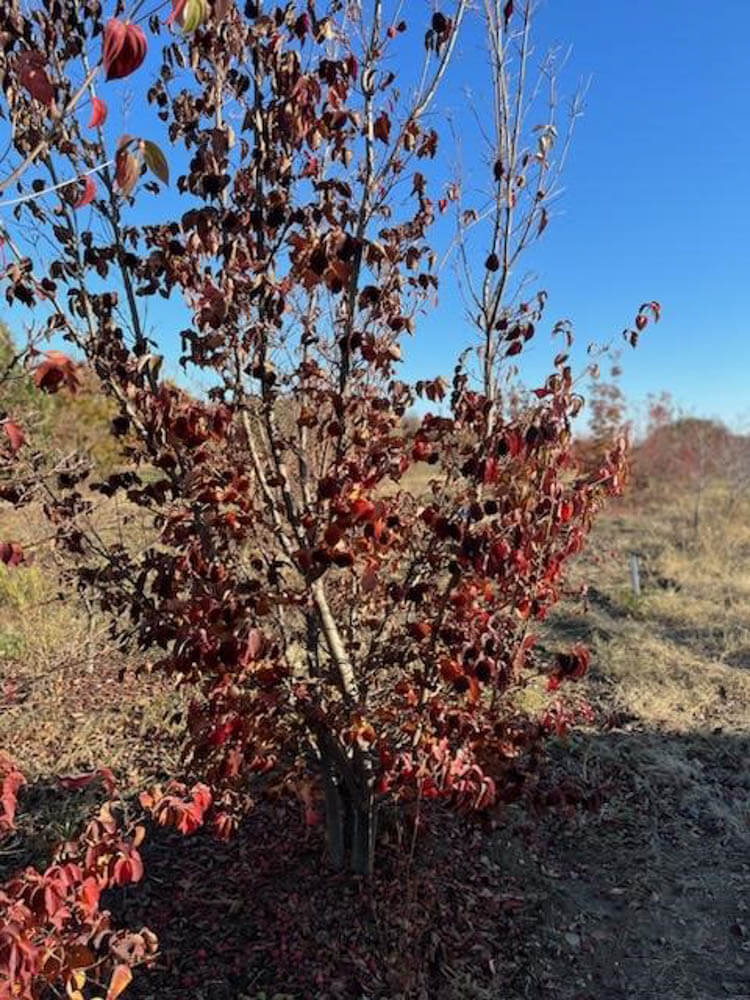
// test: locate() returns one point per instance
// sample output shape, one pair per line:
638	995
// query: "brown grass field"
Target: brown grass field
648	897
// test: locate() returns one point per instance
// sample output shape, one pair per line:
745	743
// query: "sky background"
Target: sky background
656	201
655	205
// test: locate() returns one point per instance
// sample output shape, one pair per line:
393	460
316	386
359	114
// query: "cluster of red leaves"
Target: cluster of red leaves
52	928
176	807
13	439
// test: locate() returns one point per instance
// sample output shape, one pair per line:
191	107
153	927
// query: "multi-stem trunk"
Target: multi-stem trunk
350	815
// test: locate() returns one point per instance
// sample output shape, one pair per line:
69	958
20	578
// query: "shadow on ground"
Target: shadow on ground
647	897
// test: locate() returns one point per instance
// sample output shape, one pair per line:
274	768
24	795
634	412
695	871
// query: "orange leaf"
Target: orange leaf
127	169
15	435
121	979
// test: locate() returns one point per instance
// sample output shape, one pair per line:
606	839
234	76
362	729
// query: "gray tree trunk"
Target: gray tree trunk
350	817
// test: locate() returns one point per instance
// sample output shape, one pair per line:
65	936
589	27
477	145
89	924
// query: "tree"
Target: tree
678	450
363	643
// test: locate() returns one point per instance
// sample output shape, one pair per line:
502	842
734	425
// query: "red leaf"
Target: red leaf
201	796
128	869
362	509
98	112
11	553
370	578
74	782
223	825
177	6
87	195
15	435
124	49
56	369
254	644
114	40
382	127
508	12
490	471
33	76
89	893
420	630
189	820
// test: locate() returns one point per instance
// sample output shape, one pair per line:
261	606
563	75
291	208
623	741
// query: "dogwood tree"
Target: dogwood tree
356	634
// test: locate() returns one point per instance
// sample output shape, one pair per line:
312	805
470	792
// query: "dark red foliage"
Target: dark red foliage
11	553
350	627
31	67
124	48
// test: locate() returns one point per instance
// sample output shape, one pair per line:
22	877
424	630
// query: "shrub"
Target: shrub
357	641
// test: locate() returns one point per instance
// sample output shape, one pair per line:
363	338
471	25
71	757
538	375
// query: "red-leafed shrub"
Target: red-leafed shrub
692	455
353	602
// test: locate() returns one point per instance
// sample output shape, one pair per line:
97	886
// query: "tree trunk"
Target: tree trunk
350	820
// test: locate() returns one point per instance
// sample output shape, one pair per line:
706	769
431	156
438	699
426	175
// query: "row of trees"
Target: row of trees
337	627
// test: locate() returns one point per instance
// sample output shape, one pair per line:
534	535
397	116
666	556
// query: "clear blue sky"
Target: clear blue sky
656	201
